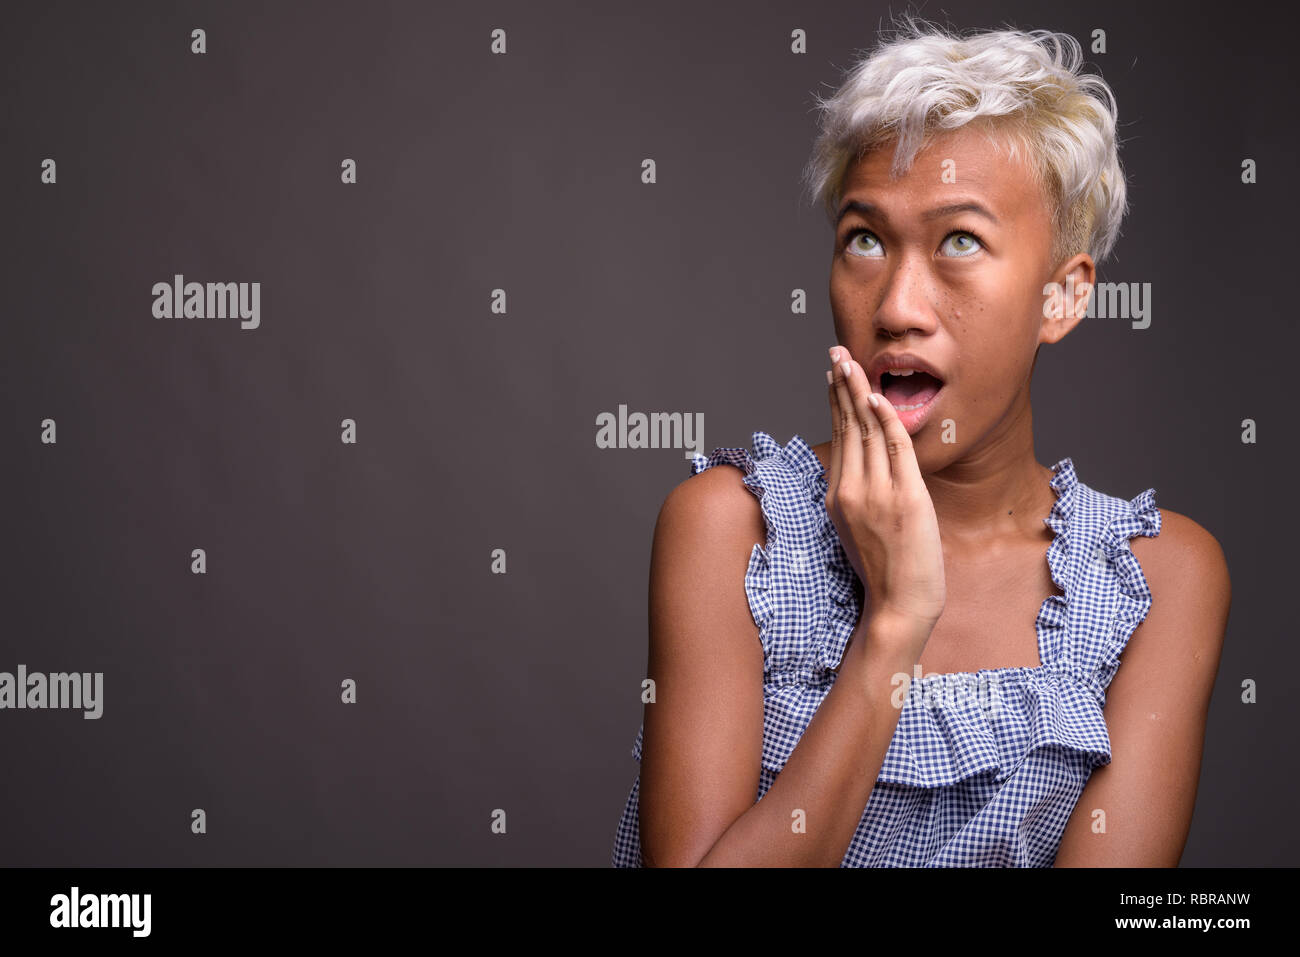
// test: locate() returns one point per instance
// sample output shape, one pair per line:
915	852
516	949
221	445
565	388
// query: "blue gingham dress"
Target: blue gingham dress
985	767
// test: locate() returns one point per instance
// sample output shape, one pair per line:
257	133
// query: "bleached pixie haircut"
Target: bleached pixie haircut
1023	89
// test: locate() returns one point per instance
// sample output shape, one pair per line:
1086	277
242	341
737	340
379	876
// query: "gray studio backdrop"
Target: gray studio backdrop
371	561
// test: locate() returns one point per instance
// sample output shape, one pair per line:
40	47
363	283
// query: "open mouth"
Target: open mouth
908	390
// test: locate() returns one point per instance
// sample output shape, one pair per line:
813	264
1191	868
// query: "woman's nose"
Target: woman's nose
906	305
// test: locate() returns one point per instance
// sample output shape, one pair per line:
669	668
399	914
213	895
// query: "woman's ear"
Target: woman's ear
1066	297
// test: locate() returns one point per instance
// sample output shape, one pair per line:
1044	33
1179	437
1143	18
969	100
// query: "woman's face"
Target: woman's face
962	289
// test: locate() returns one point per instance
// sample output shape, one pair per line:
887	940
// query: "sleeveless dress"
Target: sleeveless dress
985	767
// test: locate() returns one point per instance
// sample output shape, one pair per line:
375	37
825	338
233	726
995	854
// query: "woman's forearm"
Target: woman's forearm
809	815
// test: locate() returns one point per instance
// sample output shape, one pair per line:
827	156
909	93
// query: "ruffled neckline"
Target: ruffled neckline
1056	703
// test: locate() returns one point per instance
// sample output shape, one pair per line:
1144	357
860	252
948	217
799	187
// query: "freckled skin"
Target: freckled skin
922	279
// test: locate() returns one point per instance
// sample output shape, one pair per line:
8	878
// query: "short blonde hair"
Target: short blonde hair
1023	85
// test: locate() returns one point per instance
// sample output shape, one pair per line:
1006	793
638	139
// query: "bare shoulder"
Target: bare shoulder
1191	590
713	506
1183	556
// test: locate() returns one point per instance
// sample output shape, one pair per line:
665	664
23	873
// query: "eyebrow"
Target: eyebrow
870	209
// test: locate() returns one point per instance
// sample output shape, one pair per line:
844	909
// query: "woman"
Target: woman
902	647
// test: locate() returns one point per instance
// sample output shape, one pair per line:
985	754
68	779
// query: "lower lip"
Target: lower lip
913	419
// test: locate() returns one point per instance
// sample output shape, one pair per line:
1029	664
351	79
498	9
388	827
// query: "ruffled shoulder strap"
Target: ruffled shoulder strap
794	459
785	478
1105	592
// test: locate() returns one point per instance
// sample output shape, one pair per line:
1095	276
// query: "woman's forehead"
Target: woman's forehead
954	166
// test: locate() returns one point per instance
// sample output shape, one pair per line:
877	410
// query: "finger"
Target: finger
875	456
837	438
898	445
851	431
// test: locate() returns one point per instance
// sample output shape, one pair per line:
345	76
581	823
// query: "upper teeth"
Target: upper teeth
901	371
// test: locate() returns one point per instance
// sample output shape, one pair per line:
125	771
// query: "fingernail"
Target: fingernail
834	354
875	402
829	378
845	368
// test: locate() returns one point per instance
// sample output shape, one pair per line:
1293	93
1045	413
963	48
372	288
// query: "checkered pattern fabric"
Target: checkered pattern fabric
985	767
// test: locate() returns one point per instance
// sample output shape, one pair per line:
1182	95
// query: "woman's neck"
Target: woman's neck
998	492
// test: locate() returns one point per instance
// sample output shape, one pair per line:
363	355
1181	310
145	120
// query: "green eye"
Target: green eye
870	248
972	244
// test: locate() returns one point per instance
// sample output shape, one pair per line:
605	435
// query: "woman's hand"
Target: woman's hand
880	505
